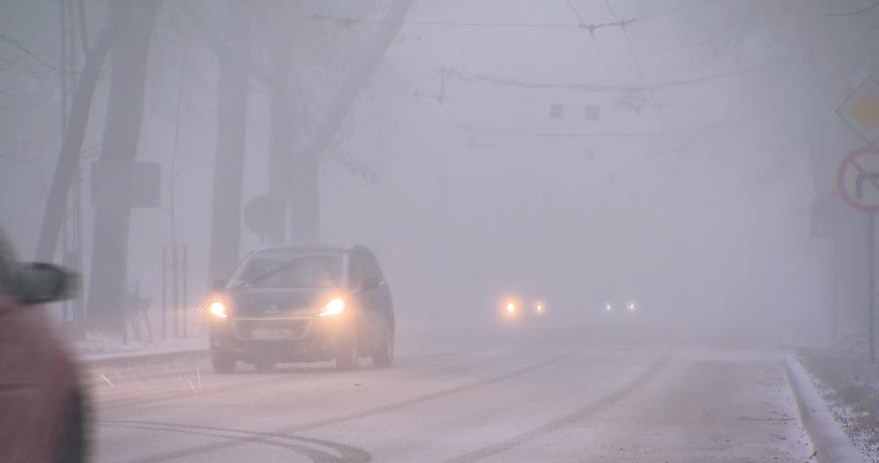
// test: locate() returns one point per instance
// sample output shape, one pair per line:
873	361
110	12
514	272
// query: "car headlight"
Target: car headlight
608	307
218	309
631	307
333	308
511	308
539	307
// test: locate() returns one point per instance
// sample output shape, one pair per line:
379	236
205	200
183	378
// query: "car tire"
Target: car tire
346	355
73	438
383	354
222	363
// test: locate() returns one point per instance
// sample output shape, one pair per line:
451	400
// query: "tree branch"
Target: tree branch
864	10
83	26
17	45
218	44
353	84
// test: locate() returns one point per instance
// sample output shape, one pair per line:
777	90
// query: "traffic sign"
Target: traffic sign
857	179
861	111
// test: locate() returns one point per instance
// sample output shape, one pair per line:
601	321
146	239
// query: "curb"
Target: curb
121	360
830	443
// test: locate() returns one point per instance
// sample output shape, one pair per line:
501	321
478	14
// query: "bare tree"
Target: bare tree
234	71
303	186
282	114
74	134
128	71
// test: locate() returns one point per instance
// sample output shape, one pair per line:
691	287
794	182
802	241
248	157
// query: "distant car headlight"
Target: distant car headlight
333	308
539	307
218	309
511	308
631	306
608	307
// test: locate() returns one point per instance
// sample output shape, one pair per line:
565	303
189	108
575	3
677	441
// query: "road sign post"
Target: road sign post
857	181
871	274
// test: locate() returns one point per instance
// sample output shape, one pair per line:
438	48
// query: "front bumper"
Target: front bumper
284	339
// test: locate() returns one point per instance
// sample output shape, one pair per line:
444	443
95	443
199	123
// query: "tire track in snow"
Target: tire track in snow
564	421
394	406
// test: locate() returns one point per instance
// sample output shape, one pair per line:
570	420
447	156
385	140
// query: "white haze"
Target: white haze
697	204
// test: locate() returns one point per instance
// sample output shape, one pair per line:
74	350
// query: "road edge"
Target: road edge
830	443
124	359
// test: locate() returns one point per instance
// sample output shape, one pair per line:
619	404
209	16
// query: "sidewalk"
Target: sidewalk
97	349
849	385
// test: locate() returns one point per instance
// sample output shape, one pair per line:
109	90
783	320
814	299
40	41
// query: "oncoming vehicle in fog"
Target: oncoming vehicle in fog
518	309
303	304
628	307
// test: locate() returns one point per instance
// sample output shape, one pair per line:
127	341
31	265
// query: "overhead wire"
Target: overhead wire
599	88
591	31
345	21
625	29
351	21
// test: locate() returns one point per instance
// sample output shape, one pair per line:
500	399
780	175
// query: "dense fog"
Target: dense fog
667	151
438	230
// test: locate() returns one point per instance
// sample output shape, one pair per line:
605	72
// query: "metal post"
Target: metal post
185	284
835	289
175	306
164	289
65	228
871	274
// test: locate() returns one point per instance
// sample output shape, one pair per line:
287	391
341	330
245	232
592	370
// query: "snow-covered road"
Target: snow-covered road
528	399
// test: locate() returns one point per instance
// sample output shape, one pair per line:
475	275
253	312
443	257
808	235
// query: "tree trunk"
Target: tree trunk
231	137
128	69
305	211
74	134
281	127
305	226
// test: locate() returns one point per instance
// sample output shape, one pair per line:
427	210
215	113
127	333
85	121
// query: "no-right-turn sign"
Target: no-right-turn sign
857	179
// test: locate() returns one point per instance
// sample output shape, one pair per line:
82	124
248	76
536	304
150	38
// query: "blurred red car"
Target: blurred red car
42	406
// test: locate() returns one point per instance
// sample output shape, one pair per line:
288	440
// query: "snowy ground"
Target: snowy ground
850	385
521	398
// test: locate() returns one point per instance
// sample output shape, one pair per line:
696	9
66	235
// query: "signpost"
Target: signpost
857	181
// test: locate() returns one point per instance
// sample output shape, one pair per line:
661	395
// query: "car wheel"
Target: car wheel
383	355
222	363
346	354
73	438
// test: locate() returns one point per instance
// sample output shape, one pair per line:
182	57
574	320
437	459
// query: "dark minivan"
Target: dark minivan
302	304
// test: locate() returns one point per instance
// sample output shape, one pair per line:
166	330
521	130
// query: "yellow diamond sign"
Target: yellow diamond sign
861	111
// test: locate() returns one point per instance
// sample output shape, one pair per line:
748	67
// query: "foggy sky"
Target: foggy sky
697	203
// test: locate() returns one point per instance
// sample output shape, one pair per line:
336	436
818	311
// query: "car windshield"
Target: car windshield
304	271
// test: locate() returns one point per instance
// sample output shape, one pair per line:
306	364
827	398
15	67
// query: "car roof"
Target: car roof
302	249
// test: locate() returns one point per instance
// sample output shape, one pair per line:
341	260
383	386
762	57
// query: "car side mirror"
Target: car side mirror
219	284
41	283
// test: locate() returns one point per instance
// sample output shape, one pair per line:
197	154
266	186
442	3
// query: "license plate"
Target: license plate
271	334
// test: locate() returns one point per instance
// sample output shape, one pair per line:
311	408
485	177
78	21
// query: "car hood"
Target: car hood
278	302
